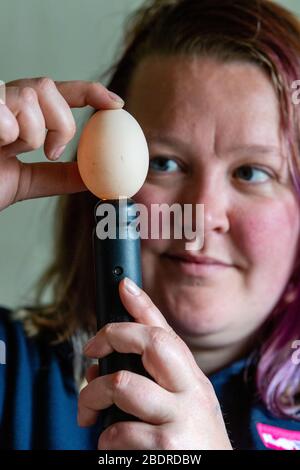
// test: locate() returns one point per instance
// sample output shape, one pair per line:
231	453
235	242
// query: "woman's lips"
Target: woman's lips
197	266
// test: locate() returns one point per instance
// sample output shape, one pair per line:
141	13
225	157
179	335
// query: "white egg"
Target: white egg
113	156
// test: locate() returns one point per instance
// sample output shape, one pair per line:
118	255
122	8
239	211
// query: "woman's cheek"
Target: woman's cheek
154	194
271	230
268	238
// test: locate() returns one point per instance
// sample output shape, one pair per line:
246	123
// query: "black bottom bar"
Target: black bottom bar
135	459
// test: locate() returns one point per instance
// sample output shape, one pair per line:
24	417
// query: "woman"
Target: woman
210	84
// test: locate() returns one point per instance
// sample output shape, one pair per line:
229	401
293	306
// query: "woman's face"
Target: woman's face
213	135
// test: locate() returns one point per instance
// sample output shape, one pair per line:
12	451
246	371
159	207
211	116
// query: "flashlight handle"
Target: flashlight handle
115	259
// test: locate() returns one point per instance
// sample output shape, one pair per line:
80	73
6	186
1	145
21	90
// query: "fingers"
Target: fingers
78	93
48	179
140	306
131	435
92	372
54	112
30	130
164	356
58	116
132	393
9	127
39	104
143	310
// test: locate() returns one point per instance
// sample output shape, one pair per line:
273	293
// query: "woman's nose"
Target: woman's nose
213	196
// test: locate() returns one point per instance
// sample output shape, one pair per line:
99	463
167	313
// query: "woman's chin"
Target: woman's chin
195	324
190	309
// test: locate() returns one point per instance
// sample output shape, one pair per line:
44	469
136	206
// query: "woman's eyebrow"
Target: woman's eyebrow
243	148
257	148
165	139
272	151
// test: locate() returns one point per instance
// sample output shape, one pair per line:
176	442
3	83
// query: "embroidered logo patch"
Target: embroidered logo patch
278	438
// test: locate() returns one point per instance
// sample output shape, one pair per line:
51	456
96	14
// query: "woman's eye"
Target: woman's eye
253	174
163	164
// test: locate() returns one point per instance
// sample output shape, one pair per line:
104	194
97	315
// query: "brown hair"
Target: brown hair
257	31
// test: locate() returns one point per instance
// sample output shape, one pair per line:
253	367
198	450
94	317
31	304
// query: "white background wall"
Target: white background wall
66	40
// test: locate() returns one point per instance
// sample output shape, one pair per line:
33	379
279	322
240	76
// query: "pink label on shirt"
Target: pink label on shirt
278	438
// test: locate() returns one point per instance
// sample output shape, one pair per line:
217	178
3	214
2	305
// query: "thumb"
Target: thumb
48	179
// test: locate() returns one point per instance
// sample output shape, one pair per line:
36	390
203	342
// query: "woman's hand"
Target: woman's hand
178	409
32	107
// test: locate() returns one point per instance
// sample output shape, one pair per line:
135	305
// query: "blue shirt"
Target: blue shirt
38	400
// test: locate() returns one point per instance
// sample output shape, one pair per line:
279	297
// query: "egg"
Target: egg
113	156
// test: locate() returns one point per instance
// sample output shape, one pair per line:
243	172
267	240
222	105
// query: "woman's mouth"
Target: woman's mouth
199	265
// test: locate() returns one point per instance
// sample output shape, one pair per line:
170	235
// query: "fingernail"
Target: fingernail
57	152
131	286
115	97
89	344
1	101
